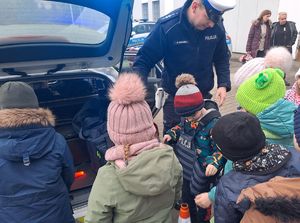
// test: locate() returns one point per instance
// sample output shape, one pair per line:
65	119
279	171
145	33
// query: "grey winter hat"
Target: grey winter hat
15	94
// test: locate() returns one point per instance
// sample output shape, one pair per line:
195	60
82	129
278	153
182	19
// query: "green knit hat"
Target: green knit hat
261	90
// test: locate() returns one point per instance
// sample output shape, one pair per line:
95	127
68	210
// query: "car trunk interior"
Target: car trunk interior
66	97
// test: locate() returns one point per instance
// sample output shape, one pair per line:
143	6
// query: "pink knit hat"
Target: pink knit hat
129	118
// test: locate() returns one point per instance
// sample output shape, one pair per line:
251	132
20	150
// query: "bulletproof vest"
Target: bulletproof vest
185	146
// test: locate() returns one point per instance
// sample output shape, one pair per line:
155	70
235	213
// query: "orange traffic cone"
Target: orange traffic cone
184	214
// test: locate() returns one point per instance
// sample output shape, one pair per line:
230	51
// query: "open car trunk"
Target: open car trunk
79	102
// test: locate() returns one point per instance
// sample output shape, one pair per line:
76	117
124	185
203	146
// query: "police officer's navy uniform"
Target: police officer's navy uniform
184	50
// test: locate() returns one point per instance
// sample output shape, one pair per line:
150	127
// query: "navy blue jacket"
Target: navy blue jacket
231	184
185	50
36	170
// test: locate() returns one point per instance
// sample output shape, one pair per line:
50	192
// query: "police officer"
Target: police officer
189	40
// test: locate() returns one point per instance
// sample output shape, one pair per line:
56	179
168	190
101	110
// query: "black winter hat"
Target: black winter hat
239	136
15	94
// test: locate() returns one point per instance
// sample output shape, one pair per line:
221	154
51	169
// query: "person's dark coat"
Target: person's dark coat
226	209
289	37
184	49
254	38
36	168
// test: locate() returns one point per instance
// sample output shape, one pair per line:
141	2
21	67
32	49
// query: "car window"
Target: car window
140	29
48	21
149	27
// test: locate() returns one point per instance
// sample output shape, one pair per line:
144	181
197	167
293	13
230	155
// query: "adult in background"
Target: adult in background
259	35
36	165
189	41
284	33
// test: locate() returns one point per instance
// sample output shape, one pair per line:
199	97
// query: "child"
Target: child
194	147
142	178
262	95
293	94
277	200
240	139
276	57
36	165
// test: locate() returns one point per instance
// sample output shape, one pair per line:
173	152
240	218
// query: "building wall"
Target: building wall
237	21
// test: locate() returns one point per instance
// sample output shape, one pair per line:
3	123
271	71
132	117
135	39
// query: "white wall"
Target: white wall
166	6
238	21
137	10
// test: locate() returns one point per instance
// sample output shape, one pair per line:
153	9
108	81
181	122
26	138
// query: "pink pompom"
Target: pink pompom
129	88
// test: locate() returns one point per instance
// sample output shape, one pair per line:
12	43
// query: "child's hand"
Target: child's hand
167	138
202	200
210	170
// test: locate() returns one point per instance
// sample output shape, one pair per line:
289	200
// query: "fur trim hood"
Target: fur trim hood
278	198
13	118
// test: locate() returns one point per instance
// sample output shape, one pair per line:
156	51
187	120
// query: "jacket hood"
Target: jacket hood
278	198
278	118
150	173
21	130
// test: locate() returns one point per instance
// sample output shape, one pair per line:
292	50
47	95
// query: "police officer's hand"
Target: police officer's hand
220	96
210	170
202	200
167	138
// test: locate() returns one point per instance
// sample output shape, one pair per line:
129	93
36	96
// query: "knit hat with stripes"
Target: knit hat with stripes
188	98
129	118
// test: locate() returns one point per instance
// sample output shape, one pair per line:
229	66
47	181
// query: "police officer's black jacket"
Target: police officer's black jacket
185	50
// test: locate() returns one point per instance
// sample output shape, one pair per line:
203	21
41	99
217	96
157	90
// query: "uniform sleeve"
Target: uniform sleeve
224	211
151	52
221	63
100	204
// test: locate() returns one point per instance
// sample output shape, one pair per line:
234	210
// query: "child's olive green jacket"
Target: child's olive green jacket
145	191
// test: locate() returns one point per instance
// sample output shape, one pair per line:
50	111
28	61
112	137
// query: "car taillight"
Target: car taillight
80	173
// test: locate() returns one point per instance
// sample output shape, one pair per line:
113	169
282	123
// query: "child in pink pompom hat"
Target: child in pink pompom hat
142	178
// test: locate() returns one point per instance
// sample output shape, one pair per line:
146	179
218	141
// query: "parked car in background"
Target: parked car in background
142	27
70	53
138	36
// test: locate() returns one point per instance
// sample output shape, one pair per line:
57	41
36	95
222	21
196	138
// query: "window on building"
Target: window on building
155	10
145	11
